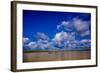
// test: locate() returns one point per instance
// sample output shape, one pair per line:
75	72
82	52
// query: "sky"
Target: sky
57	28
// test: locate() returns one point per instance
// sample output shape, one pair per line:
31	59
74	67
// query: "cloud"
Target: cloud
41	36
82	27
85	41
59	44
37	46
63	39
32	45
40	44
62	36
73	44
42	41
86	33
26	40
66	26
85	44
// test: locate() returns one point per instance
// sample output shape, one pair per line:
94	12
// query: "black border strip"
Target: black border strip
13	37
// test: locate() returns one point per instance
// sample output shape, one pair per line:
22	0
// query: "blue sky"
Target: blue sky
46	21
50	24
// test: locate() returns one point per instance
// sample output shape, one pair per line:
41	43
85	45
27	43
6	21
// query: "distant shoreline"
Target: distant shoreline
40	56
53	50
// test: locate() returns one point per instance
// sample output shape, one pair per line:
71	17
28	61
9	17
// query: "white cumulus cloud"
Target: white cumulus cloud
83	27
80	25
64	36
65	25
86	33
26	40
41	36
60	36
32	45
85	41
63	39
